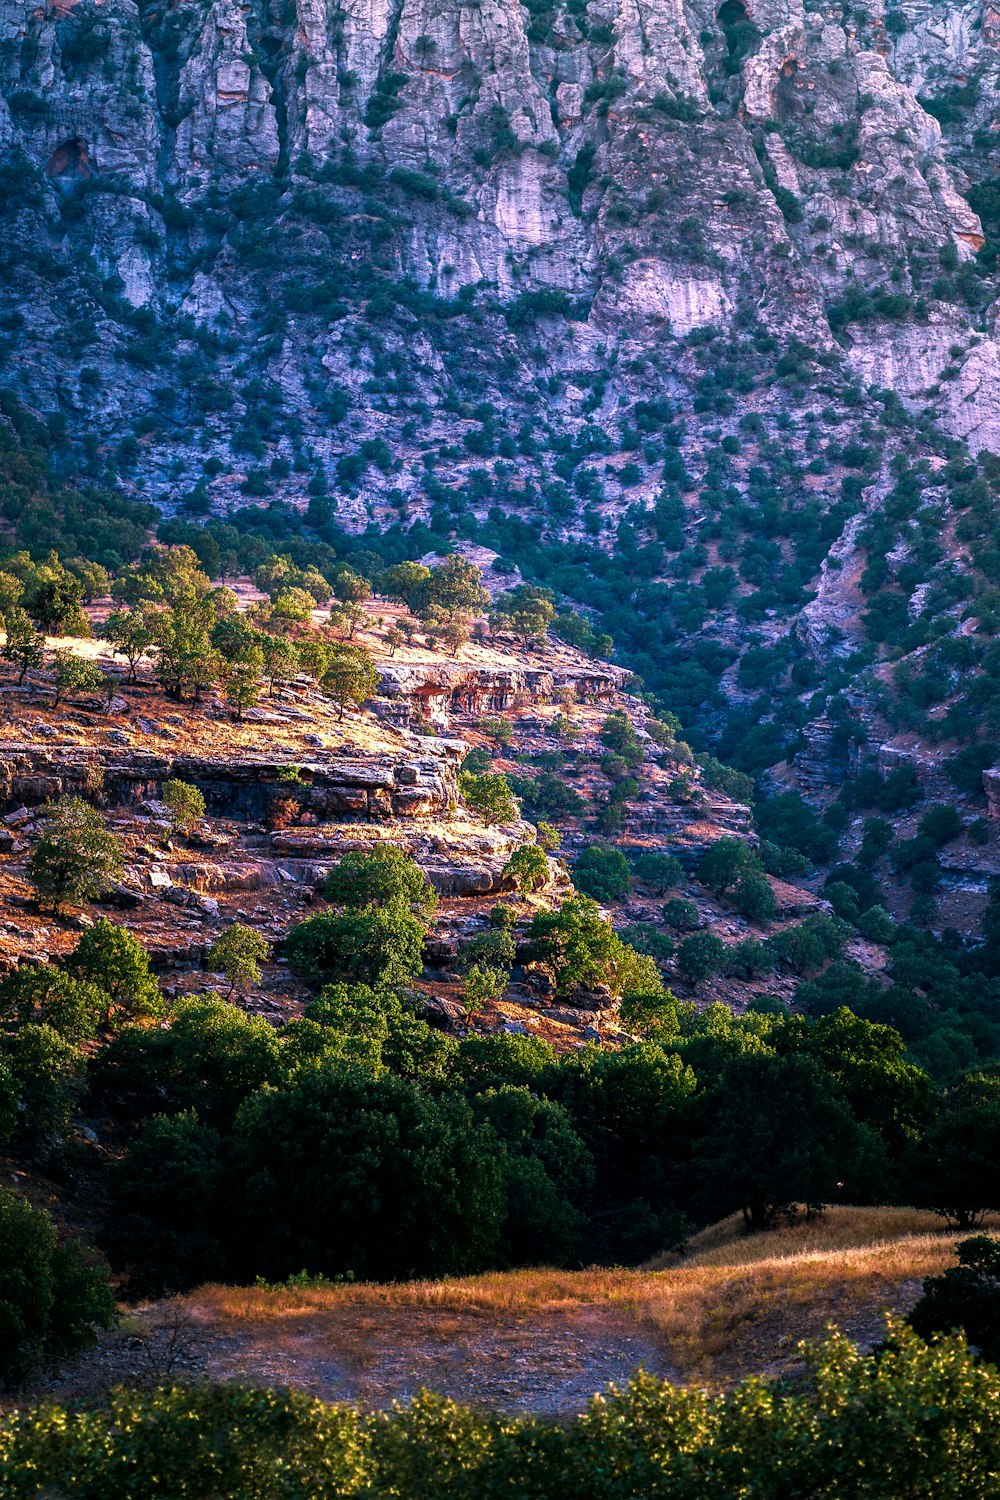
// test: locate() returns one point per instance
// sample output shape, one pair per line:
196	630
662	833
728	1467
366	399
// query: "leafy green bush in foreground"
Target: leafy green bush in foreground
914	1420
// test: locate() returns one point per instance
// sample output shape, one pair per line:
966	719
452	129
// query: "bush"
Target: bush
238	954
754	897
965	1297
658	871
490	796
906	1419
380	946
113	959
381	877
681	915
184	803
602	873
75	858
53	1297
699	956
527	868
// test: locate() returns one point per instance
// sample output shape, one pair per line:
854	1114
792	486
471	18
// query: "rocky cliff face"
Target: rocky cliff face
666	167
683	283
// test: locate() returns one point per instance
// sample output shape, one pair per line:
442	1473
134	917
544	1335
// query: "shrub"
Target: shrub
965	1297
113	959
184	803
76	857
53	1296
699	956
380	946
681	915
490	796
381	877
658	871
238	954
602	873
527	868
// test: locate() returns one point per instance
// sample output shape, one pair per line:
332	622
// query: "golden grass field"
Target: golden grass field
731	1305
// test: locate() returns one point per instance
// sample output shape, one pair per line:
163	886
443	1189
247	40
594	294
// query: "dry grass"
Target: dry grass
839	1228
733	1304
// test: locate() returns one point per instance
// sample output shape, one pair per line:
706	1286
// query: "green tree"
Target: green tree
210	1058
527	869
24	646
722	864
53	1296
238	954
185	804
76	857
75	674
243	680
754	897
526	610
132	634
956	1166
186	660
52	597
660	872
700	955
116	961
581	951
406	582
44	1070
374	1176
481	985
377	945
602	873
41	994
380	877
490	796
351	587
349	676
777	1132
965	1298
454	587
281	661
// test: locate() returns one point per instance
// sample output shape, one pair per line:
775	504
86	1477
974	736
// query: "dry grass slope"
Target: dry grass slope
734	1304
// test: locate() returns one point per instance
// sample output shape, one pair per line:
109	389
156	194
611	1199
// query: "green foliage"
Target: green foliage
378	945
778	1135
490	796
965	1298
24	646
681	915
53	1297
659	872
210	1058
238	954
74	674
76	857
380	877
527	610
53	998
580	950
723	864
528	869
955	1165
40	1073
602	873
349	675
700	955
184	803
113	959
909	1419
